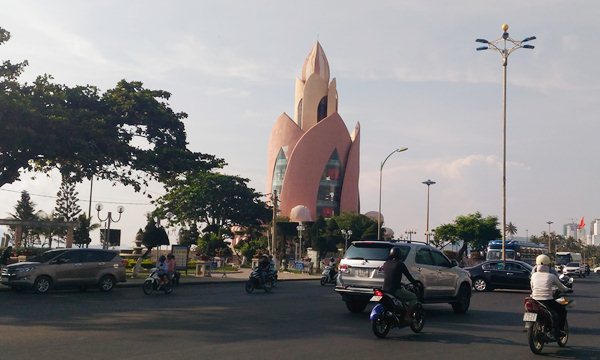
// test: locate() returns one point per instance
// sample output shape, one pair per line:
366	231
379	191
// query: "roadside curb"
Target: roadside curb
139	282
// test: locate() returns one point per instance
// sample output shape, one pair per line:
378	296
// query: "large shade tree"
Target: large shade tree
472	230
216	200
128	134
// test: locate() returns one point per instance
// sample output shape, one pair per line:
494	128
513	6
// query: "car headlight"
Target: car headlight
25	269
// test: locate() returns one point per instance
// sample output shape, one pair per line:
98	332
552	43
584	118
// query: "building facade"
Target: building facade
313	161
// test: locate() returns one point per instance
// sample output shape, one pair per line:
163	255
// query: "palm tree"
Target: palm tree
511	229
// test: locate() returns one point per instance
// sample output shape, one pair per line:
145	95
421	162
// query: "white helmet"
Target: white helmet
542	260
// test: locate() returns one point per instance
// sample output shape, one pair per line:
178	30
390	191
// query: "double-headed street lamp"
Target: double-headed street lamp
120	210
500	45
410	233
428	182
347	234
380	175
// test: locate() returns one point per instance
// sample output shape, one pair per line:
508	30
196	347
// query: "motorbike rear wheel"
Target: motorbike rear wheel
148	287
249	286
562	341
418	321
323	280
534	338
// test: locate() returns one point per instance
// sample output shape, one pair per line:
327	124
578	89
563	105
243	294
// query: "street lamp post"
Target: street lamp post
347	234
428	182
300	228
500	45
549	223
109	219
380	176
410	232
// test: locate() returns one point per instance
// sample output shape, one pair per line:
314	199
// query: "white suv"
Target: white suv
440	280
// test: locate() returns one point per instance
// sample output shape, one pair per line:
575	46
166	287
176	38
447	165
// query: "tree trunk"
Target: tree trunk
461	252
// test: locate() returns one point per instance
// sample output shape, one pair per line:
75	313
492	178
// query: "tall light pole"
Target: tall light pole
347	234
380	175
120	210
500	45
428	182
549	223
300	228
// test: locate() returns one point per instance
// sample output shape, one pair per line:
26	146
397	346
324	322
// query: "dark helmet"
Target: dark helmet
394	253
332	258
162	258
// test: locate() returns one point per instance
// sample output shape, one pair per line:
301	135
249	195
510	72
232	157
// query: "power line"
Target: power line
82	200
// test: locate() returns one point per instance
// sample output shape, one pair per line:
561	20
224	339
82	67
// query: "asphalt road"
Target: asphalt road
298	320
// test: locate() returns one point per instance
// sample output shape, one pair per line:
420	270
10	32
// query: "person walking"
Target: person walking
4	258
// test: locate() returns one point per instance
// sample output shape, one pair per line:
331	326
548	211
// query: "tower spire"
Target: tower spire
316	63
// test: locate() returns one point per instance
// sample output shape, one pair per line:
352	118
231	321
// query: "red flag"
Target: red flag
581	223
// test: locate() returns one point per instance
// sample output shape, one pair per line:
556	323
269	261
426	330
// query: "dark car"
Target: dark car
498	274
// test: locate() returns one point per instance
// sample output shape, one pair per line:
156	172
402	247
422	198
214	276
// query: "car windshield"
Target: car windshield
47	256
373	251
573	264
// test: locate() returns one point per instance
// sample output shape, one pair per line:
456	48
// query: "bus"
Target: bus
515	250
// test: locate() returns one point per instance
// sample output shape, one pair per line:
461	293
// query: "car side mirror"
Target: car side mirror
454	263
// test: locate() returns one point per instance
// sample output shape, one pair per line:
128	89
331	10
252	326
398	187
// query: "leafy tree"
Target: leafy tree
25	211
101	128
217	200
189	236
473	230
212	245
358	223
250	248
154	235
81	234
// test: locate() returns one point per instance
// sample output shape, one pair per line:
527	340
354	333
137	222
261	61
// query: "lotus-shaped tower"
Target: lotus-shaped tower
313	160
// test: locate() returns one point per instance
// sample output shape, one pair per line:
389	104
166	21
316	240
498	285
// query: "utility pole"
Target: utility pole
274	232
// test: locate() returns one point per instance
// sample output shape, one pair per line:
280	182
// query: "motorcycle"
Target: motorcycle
567	281
392	312
152	283
326	277
255	281
540	324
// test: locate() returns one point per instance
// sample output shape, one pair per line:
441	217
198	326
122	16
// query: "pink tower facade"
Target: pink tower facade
313	160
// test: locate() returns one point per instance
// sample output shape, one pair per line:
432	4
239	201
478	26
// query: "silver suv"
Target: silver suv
440	280
66	268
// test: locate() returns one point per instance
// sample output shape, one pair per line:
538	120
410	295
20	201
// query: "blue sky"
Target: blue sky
406	70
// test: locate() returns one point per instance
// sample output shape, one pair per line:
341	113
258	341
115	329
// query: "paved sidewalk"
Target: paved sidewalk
216	278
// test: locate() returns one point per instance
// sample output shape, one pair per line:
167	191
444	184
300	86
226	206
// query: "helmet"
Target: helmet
542	260
394	253
162	258
332	258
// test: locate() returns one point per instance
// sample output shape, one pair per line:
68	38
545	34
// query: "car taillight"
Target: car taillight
378	292
124	262
344	267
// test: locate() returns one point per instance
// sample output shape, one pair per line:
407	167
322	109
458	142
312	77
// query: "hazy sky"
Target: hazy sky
406	70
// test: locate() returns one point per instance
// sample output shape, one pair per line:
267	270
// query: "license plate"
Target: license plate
362	272
376	298
529	316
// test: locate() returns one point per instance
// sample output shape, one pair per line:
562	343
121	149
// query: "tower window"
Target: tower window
322	110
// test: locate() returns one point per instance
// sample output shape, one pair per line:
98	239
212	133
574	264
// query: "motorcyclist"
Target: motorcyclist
332	268
162	269
542	282
263	268
393	269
